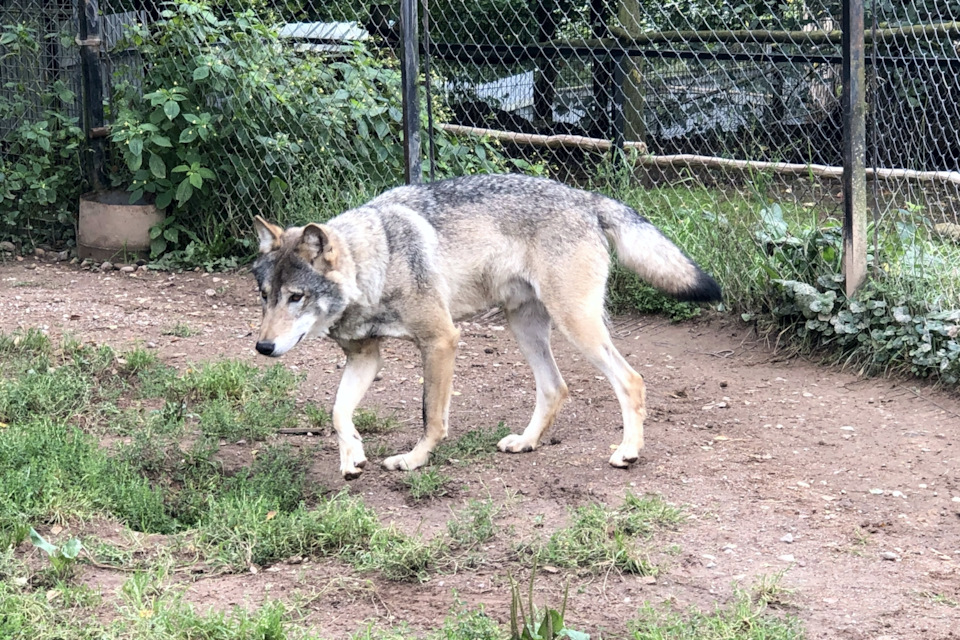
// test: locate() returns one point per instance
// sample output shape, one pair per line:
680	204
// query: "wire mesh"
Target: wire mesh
728	114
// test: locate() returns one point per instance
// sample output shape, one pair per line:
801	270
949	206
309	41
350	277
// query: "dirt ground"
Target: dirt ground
852	485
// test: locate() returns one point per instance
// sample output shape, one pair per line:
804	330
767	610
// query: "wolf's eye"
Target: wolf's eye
263	295
296	297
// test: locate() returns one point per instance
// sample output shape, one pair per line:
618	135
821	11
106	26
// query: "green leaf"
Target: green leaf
157	246
135	146
201	73
171	234
135	195
164	199
134	161
188	135
161	141
180	168
184	191
157	167
71	549
171	109
38	541
195	180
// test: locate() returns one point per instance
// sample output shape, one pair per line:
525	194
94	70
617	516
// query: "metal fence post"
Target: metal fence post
88	27
409	73
854	147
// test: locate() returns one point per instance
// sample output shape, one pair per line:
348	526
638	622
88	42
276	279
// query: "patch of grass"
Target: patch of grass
474	524
318	417
180	330
31	342
767	590
598	538
251	421
368	422
398	556
426	484
236	382
53	472
57	610
138	360
939	598
461	623
472	445
742	620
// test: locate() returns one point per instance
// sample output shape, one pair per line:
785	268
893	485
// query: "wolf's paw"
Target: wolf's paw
403	462
623	458
515	443
352	458
352	471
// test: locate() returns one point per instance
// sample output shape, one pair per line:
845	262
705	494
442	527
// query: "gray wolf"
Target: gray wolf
414	260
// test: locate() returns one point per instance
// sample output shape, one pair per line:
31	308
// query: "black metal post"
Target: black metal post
92	91
602	67
854	147
618	118
545	77
409	72
428	88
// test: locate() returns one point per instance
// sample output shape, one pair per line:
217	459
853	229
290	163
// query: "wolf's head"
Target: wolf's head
301	285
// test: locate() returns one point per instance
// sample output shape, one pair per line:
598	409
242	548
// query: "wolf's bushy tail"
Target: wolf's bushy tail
641	247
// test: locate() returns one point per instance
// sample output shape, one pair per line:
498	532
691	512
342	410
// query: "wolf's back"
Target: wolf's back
641	247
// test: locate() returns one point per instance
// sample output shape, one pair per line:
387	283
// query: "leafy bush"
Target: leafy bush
40	177
887	324
229	113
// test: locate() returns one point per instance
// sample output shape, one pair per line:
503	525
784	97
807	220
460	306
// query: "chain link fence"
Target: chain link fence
720	121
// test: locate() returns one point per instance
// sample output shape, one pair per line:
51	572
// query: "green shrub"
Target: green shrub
40	177
230	113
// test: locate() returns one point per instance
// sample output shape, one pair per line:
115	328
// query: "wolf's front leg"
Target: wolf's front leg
363	363
439	355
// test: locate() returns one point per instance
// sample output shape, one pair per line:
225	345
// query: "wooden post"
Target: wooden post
634	126
409	73
854	148
92	91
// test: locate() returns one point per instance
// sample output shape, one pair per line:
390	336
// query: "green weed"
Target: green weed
424	484
524	624
741	620
474	524
180	330
368	422
598	538
471	446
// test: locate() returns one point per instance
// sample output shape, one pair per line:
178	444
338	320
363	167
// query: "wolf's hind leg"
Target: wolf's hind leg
363	363
581	321
439	355
530	324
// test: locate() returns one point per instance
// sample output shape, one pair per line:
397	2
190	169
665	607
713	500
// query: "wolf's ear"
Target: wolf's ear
269	234
319	244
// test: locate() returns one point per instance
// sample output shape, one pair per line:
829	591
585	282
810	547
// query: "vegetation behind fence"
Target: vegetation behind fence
720	121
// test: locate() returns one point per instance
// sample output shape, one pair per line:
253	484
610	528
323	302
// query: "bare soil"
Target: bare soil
863	474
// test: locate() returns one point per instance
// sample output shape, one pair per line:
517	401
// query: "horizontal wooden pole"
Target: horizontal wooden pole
692	160
766	36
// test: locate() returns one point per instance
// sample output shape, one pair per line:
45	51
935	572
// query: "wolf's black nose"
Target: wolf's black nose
266	348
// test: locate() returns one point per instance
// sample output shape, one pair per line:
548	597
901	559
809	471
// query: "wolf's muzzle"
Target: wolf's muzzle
266	348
